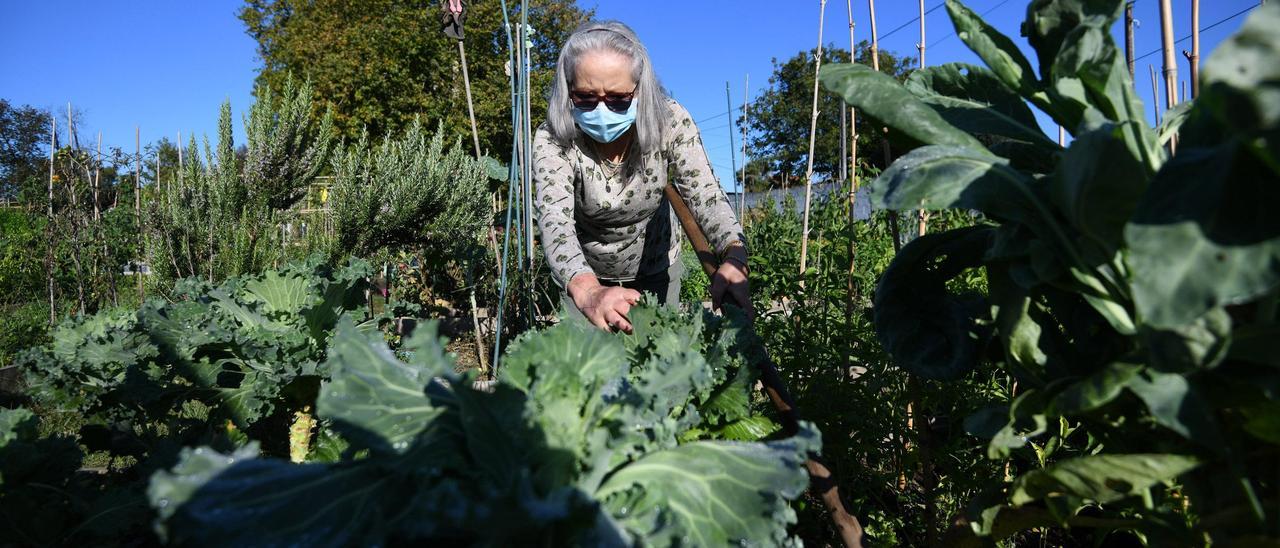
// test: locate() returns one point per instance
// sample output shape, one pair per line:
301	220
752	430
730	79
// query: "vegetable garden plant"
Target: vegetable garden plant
589	438
1133	275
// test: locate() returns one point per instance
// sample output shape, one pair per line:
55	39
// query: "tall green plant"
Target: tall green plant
1131	292
408	191
220	215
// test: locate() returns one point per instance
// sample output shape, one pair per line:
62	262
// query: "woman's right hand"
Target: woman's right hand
604	306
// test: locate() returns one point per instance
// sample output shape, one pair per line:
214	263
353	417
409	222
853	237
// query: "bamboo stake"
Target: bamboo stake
53	149
884	142
742	196
852	168
528	154
75	204
732	159
1128	36
922	215
813	129
1193	58
921	45
97	179
466	84
1170	62
844	145
1155	94
137	210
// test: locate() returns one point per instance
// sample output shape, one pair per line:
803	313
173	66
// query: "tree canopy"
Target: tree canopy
381	63
778	120
23	130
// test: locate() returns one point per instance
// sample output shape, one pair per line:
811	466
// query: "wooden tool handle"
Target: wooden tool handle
821	480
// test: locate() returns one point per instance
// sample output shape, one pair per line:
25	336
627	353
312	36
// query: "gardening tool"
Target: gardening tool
821	481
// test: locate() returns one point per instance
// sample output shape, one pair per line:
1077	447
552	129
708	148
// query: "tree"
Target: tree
23	131
778	121
381	63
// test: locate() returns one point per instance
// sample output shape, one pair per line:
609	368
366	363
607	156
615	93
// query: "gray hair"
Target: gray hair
651	100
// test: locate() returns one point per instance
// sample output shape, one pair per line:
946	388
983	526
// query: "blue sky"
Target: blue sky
167	66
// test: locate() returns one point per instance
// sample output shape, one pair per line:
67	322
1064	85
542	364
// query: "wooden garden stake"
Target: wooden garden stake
1128	36
922	215
1193	58
813	129
1155	94
875	65
728	104
137	209
921	45
850	277
97	178
742	196
1170	62
471	111
53	149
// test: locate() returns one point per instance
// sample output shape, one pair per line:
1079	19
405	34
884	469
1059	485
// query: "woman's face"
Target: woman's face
603	73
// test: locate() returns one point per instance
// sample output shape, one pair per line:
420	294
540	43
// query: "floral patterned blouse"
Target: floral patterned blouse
614	221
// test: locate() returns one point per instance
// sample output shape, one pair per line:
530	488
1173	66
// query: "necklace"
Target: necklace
611	168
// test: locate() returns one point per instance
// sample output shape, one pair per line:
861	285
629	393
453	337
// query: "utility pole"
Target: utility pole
813	129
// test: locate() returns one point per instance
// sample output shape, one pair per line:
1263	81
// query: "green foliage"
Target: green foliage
46	500
1122	277
822	338
220	215
579	443
782	112
245	349
410	191
23	129
380	64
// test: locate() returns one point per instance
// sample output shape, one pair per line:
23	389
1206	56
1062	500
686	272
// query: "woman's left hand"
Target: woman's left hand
731	278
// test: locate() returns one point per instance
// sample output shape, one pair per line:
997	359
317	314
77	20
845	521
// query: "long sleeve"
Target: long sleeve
698	185
553	177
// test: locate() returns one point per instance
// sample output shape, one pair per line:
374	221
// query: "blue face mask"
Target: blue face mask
604	125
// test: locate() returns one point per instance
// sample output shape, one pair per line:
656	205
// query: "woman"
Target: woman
601	161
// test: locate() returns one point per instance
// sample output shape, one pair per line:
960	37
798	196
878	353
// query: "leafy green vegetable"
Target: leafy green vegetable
1133	289
582	442
237	347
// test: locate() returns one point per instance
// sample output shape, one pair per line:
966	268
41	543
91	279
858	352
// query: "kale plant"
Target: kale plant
242	349
587	438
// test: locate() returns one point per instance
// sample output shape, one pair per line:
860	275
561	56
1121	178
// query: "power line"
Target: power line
725	113
983	14
913	19
1188	37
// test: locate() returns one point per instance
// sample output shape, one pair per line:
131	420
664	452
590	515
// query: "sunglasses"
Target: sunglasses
617	102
